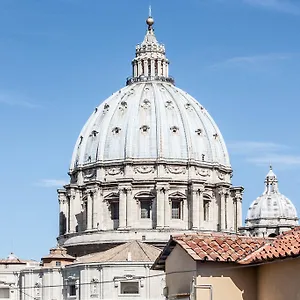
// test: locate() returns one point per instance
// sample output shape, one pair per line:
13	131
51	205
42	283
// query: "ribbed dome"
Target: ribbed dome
153	120
272	208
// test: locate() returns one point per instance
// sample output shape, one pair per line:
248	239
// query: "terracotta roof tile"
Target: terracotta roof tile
218	246
285	245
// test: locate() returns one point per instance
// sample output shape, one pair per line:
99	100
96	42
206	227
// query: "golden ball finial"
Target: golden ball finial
150	21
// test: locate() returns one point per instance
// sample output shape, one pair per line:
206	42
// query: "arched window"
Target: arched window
206	208
272	235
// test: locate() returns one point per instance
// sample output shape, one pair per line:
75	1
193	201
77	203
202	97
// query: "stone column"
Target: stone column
239	198
222	210
129	206
186	213
98	209
201	206
230	213
160	204
167	208
122	208
146	73
139	68
72	210
134	69
195	208
152	67
90	204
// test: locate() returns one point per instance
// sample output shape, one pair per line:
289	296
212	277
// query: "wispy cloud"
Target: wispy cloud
265	153
277	159
50	183
254	61
286	6
252	147
13	99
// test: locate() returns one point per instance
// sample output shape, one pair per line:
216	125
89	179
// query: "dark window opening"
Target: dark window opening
114	210
176	209
145	209
129	288
72	290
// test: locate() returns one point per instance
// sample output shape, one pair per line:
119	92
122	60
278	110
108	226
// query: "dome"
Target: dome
153	121
150	161
272	208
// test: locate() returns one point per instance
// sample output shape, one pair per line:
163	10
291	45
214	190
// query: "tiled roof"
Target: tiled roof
58	253
218	247
285	245
132	251
211	247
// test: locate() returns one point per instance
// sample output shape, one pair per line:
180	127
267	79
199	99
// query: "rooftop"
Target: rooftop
134	251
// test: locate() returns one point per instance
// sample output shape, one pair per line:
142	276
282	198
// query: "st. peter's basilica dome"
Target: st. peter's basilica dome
150	161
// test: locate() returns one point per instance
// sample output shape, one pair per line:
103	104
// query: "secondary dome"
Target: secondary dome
272	212
150	119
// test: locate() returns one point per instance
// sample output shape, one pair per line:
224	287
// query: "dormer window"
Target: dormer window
145	128
94	133
116	130
174	129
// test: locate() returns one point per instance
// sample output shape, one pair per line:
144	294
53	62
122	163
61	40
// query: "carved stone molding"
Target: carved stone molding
144	169
202	172
221	175
89	174
114	171
175	169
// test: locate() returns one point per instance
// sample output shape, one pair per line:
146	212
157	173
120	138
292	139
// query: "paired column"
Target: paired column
239	199
224	198
63	211
160	205
167	208
90	210
197	206
125	203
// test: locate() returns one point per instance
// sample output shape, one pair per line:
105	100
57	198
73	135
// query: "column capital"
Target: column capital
223	191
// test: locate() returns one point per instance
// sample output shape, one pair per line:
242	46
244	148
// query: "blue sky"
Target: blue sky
60	58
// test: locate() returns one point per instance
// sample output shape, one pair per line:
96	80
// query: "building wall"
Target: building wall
223	280
10	279
279	280
92	281
226	281
179	261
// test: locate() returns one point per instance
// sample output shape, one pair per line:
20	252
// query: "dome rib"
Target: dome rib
122	112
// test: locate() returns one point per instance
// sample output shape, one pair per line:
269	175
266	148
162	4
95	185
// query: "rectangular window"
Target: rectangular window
58	263
176	209
206	210
72	290
129	288
114	206
4	293
145	209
